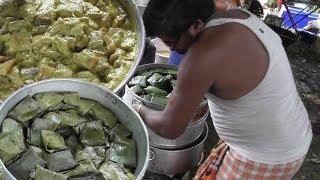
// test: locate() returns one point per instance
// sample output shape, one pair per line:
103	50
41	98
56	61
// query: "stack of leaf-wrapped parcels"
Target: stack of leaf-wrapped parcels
61	136
155	86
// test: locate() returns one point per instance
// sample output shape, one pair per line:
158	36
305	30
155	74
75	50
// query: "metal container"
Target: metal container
193	130
135	17
126	115
142	4
171	162
192	133
162	51
161	59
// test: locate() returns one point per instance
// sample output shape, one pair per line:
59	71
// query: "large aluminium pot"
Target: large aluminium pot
135	17
126	115
191	134
171	162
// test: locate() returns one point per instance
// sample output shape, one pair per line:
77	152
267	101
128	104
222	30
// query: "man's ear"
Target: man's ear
196	27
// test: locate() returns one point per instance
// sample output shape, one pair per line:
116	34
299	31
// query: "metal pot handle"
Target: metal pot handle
151	155
201	159
136	101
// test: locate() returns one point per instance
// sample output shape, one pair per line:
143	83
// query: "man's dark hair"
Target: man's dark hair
172	17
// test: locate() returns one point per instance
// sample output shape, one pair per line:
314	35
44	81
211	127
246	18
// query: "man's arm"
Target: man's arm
196	75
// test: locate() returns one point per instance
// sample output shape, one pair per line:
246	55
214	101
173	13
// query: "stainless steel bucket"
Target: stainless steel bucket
171	162
126	115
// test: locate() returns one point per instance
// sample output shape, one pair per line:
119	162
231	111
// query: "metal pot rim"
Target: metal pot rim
161	55
198	142
163	143
203	118
28	88
149	66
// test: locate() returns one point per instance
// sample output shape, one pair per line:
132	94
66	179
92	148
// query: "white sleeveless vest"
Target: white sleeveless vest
270	124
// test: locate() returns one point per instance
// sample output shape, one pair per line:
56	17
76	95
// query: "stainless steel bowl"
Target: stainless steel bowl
126	115
171	162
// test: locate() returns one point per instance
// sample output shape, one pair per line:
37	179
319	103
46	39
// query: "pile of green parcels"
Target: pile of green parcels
154	85
61	136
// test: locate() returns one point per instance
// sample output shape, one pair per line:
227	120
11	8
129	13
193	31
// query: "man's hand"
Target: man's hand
137	107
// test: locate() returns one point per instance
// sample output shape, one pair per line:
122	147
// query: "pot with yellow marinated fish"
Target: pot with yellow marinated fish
97	41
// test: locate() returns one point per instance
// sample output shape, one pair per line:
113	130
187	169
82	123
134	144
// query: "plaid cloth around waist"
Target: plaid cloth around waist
234	166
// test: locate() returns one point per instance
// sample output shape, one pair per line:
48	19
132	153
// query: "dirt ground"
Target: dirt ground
305	64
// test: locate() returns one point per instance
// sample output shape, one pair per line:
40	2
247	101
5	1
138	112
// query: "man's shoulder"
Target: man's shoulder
216	42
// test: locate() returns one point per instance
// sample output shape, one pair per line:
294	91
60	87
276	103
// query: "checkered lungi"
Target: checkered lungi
234	166
226	164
